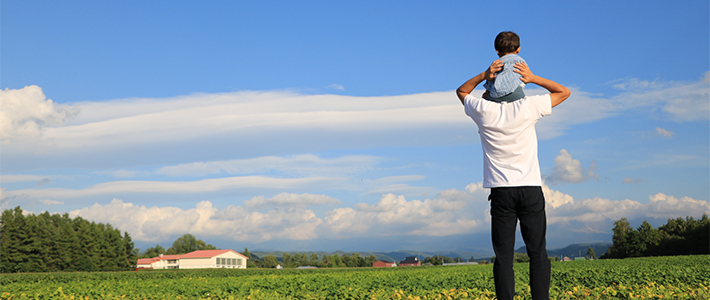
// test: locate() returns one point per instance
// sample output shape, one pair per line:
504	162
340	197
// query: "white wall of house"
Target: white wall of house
228	260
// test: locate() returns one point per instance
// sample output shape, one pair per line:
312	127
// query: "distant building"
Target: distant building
410	261
200	259
383	263
306	267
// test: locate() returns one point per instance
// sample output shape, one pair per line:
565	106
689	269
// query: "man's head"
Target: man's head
507	42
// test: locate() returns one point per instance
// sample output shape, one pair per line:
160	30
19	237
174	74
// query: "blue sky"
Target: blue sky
294	125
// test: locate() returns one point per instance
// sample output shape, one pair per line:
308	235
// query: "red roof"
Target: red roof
146	261
205	253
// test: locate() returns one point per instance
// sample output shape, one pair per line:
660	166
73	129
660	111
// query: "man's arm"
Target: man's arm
471	84
558	92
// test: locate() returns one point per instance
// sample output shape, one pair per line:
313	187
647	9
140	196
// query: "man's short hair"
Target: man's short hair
507	42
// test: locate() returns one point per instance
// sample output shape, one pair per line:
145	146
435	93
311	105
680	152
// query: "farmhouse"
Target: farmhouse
383	263
200	259
410	261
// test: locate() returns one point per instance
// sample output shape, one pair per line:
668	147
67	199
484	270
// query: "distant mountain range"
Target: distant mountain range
573	250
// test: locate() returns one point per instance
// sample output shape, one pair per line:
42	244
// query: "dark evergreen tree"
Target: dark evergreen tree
10	253
44	242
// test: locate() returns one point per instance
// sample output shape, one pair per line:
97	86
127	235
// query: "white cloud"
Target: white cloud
290	200
160	223
570	170
600	213
693	107
678	101
633	84
666	206
22	178
51	202
393	215
555	198
123	174
664	133
336	87
242	114
306	164
4	200
175	187
393	184
628	180
26	113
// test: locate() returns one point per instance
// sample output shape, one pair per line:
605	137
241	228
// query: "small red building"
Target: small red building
410	261
383	263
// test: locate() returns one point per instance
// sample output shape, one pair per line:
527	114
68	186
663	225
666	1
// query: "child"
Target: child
507	86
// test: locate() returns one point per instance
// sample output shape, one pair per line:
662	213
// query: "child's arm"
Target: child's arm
558	92
471	84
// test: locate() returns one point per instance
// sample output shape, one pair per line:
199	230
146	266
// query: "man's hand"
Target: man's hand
495	67
522	69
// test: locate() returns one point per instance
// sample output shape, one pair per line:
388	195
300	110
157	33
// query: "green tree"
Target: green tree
302	259
337	261
347	260
188	243
153	251
521	257
370	260
621	238
130	259
288	261
84	259
270	261
649	237
10	232
359	261
591	254
251	262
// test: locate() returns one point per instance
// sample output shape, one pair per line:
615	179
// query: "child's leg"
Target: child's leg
515	95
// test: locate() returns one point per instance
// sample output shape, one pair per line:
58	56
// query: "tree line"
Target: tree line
438	260
53	243
677	237
294	260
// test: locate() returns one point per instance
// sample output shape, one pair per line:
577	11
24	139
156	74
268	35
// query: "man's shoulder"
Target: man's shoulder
537	97
541	103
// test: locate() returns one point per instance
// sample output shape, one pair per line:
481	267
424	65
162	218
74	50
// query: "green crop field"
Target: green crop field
677	277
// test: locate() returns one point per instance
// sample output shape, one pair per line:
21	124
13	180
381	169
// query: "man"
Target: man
512	172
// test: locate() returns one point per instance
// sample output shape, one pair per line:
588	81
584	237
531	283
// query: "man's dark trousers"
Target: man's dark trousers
508	205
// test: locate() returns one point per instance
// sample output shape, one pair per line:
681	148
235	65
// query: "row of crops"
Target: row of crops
677	277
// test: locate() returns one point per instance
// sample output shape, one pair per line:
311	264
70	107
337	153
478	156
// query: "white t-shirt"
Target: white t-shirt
508	138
